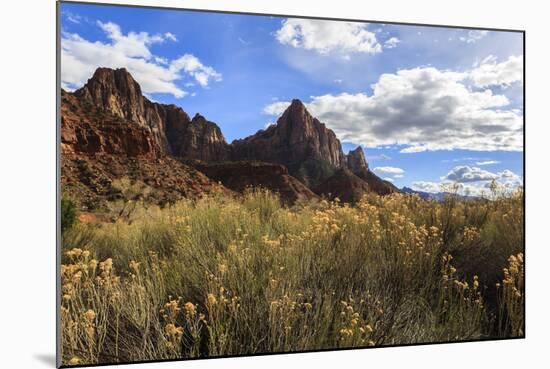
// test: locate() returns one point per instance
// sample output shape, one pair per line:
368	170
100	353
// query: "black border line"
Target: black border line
58	184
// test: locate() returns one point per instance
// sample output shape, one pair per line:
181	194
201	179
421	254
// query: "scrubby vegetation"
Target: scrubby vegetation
68	213
222	276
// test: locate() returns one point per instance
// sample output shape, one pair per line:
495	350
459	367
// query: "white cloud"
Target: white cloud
473	36
133	45
465	173
426	186
422	108
170	36
192	65
398	176
388	179
413	149
487	162
276	108
391	42
81	57
389	170
491	73
326	36
72	17
471	181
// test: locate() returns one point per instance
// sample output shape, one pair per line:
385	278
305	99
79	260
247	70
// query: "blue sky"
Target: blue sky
429	105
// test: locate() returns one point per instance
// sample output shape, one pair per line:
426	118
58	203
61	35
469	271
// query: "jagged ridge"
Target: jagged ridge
110	117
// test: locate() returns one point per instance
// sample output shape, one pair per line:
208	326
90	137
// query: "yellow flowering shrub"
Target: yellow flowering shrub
254	276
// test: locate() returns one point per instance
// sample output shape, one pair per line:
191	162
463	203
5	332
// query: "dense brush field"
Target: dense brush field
221	276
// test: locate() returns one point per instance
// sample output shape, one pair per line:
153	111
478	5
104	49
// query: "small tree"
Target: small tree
68	213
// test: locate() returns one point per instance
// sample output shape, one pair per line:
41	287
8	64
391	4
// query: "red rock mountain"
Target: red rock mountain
356	161
109	131
117	93
240	175
344	185
107	157
358	165
309	149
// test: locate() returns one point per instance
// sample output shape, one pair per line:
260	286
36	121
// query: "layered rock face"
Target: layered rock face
109	130
116	93
344	185
201	140
359	166
298	141
86	129
240	176
356	161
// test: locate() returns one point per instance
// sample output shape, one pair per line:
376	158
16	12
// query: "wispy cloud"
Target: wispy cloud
391	43
473	36
488	162
389	170
378	157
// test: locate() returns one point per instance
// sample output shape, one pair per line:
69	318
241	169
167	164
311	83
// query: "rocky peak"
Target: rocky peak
202	140
117	92
358	165
306	146
356	161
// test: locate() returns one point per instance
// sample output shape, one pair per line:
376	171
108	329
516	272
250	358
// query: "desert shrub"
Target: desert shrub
68	213
511	297
226	276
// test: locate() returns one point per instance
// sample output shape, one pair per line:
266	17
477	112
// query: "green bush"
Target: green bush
68	213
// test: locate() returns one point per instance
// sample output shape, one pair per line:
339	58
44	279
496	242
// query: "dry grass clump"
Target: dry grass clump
225	277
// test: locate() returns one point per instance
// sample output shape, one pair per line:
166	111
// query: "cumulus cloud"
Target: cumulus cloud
326	36
491	73
391	42
471	181
389	170
192	65
80	58
447	187
465	173
423	109
426	186
473	36
389	179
